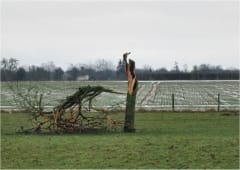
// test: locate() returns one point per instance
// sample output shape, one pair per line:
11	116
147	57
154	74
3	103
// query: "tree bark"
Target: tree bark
131	94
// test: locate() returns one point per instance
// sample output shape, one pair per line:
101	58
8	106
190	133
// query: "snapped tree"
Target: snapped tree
131	94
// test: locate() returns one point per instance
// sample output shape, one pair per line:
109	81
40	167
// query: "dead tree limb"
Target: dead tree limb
68	116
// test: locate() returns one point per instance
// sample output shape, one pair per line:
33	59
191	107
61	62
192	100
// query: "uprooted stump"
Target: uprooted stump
72	115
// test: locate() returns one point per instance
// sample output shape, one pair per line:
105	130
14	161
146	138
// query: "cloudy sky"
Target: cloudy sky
158	33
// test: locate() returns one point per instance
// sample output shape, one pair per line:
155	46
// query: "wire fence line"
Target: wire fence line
152	108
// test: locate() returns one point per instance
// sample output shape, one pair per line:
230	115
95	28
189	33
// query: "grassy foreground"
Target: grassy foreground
162	140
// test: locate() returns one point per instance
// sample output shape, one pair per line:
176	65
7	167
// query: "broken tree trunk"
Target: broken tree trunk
131	94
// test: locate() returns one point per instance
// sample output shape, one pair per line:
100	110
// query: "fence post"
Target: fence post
218	102
173	102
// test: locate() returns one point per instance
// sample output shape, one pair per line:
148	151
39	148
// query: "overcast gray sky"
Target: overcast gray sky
158	33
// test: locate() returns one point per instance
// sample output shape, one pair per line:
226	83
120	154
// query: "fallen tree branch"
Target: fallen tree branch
68	117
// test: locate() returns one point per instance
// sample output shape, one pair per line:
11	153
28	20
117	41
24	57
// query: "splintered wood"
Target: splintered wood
71	117
130	71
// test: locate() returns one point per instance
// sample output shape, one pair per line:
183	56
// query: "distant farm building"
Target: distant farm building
83	78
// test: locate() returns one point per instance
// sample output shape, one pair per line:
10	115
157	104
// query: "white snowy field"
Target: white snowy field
152	95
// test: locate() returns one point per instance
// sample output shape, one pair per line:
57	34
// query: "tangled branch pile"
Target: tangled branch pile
72	115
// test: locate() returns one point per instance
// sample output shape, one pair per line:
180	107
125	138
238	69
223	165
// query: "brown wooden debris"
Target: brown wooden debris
69	117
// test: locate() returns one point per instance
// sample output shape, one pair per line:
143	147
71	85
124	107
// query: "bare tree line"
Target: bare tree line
105	70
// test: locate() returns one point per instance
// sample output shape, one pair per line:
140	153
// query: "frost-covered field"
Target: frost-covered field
156	95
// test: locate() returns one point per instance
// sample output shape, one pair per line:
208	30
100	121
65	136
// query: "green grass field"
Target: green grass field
162	140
